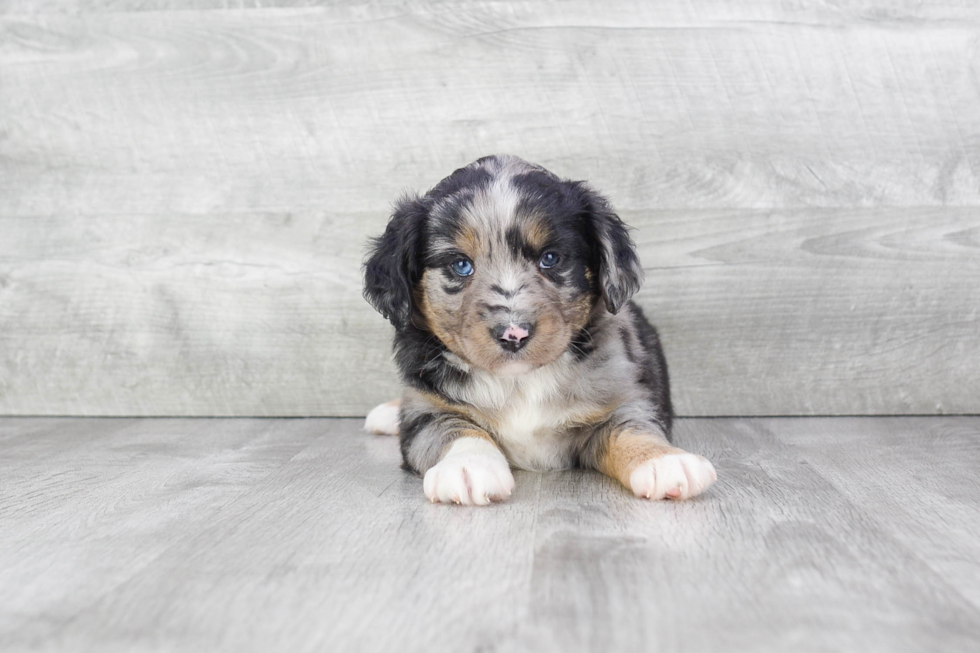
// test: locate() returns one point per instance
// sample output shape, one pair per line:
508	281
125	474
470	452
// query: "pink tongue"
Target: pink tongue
515	332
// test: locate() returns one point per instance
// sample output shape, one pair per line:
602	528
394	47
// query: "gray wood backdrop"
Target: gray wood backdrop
186	187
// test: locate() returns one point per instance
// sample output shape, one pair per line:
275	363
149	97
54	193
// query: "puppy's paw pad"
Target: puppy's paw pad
383	419
674	476
472	473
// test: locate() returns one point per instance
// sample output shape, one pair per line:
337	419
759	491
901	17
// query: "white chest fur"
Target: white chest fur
530	415
534	437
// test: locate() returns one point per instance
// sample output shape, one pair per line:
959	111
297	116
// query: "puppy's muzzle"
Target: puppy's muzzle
511	336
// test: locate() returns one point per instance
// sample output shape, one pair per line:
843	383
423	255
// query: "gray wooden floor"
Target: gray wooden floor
258	535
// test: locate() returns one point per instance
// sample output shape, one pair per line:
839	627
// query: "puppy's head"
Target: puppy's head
503	262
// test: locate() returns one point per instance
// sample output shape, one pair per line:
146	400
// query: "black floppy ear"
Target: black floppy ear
393	267
620	273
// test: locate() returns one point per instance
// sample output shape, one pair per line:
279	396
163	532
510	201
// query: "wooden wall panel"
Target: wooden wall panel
185	190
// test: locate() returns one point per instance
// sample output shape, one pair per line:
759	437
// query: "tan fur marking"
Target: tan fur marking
578	315
468	412
468	433
468	241
436	317
536	233
548	330
594	415
628	449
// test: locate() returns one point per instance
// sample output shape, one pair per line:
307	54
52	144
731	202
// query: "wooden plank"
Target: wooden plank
883	11
337	549
817	311
344	107
189	315
781	312
184	195
920	472
89	504
775	559
214	538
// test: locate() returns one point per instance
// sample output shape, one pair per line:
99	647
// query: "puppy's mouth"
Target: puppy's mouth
527	360
515	368
502	362
515	345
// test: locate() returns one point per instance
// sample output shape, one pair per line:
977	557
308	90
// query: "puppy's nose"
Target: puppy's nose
513	337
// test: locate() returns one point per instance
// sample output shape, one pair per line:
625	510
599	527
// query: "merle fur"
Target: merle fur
592	237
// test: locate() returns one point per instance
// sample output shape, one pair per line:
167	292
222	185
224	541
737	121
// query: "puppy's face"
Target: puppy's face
505	264
508	276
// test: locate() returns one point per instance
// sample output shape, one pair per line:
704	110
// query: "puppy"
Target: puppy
509	291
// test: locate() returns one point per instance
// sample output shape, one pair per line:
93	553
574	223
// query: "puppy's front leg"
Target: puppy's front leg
473	472
641	459
460	462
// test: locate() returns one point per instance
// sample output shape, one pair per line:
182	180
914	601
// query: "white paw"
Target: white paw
383	419
473	472
674	476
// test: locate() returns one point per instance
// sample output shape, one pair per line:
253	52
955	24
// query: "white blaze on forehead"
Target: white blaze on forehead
508	274
493	209
496	206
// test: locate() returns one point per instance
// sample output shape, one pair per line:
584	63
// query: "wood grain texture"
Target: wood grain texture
344	107
926	485
813	311
304	535
186	186
107	497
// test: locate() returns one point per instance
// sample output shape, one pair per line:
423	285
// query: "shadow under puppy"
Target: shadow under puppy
509	291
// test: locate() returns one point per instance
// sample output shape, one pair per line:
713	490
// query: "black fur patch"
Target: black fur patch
454	283
407	430
583	344
653	369
514	238
449	197
493	308
613	249
419	356
506	294
545	194
624	335
393	267
463	181
560	203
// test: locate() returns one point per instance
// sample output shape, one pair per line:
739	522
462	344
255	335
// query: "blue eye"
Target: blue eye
549	260
462	267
